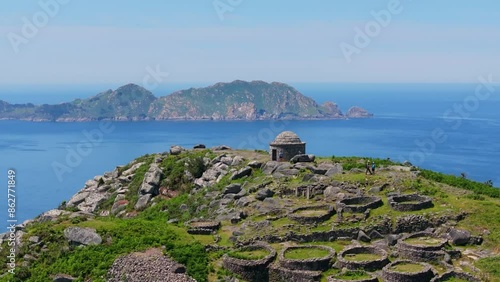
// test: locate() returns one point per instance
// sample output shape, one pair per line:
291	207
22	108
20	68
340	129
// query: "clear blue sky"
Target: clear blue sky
115	41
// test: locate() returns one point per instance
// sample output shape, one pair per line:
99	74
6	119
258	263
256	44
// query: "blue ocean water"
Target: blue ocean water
406	118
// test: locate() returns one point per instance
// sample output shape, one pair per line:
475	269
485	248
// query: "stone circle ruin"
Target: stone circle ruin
409	202
407	271
362	257
312	214
251	270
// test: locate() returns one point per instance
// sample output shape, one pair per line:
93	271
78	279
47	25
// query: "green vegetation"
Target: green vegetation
476	187
424	240
349	163
407	267
305	253
311	212
148	228
491	266
455	279
93	262
249	255
362	257
175	167
352	275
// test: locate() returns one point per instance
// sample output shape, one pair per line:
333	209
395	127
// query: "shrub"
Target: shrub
460	182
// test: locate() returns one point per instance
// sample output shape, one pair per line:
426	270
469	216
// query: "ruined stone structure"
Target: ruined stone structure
285	146
359	204
391	275
327	212
374	264
409	202
422	252
251	270
203	227
458	275
311	264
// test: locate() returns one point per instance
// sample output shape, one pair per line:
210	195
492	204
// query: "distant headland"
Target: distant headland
237	100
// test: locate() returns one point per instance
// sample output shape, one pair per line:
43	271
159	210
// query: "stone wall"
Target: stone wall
359	204
372	278
410	202
421	252
312	264
390	275
281	274
454	274
366	265
328	212
251	270
289	150
203	227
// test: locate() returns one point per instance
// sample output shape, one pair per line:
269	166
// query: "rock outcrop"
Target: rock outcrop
357	112
150	265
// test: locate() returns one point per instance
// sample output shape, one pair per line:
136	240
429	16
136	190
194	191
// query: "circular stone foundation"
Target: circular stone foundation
422	246
312	214
250	269
407	271
362	257
349	276
448	276
359	204
410	202
203	227
311	258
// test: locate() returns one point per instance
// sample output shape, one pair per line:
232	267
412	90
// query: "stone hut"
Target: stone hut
285	146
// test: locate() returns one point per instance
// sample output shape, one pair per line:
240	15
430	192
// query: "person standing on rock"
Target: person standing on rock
373	167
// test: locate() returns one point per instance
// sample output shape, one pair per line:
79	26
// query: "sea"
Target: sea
450	128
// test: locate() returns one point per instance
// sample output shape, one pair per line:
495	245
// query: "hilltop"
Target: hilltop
226	214
237	100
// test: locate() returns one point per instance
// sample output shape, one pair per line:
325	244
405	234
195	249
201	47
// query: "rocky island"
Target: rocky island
237	100
233	215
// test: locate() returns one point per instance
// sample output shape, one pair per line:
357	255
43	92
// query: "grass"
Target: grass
337	245
425	240
353	275
491	266
305	253
120	237
362	257
476	187
455	279
311	213
249	255
407	267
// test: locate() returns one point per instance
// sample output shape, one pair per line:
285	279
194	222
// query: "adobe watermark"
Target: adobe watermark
39	20
225	6
363	36
264	136
154	77
454	117
84	148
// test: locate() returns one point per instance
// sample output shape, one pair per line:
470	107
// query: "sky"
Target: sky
155	42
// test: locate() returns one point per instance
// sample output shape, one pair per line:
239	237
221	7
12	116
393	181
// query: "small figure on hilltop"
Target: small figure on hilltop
373	167
368	170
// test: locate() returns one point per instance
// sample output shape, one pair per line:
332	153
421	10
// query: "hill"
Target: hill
212	210
237	100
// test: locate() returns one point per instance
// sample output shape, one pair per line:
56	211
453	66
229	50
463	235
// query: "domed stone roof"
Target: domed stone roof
287	137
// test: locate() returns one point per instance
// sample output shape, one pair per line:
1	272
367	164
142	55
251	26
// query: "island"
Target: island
237	100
